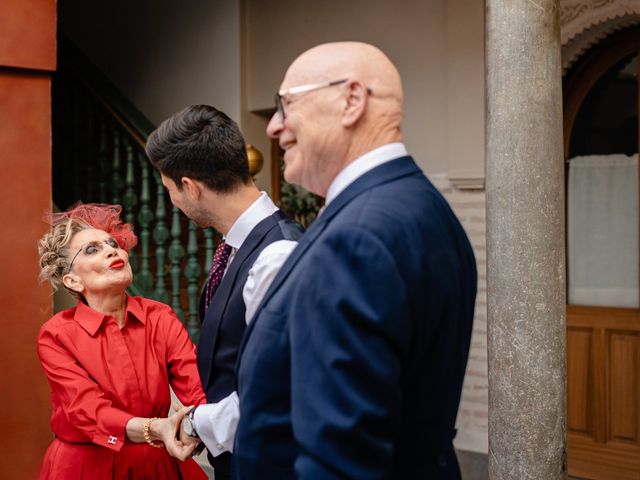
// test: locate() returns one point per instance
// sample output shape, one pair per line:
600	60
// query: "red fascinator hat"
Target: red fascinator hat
101	216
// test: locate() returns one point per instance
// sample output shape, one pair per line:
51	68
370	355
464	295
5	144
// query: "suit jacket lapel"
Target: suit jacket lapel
386	172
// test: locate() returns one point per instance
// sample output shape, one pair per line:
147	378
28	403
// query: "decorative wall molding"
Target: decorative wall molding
585	22
576	16
467	183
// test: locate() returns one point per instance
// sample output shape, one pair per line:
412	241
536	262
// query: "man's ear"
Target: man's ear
72	282
192	187
357	96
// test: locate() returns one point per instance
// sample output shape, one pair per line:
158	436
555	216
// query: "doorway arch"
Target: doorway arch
603	341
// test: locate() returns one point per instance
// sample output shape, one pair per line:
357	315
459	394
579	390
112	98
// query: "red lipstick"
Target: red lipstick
117	264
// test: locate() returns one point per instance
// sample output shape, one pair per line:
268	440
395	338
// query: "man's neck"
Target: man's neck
366	142
229	206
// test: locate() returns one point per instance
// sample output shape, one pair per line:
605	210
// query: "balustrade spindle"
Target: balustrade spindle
192	272
208	248
88	151
103	162
176	252
144	277
76	121
116	178
129	199
160	235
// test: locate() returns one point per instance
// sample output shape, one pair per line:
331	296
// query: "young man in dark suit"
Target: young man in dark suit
353	365
201	156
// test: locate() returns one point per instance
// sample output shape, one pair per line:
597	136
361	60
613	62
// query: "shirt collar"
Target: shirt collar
362	165
91	320
258	211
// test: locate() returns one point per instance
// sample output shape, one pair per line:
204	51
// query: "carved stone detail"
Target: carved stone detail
585	22
576	16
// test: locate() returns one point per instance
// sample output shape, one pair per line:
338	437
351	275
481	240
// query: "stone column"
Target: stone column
525	241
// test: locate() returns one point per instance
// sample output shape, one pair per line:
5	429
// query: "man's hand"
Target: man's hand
172	436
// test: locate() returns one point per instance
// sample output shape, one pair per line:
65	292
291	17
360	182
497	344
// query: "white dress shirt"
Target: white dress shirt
216	423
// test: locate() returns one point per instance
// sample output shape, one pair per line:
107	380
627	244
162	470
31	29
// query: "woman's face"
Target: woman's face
98	264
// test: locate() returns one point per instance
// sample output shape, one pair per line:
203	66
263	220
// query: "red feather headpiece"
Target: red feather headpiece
101	216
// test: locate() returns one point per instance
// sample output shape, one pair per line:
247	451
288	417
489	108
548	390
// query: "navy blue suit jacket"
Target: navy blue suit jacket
353	366
224	322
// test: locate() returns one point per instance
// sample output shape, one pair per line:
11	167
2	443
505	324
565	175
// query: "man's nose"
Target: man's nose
276	124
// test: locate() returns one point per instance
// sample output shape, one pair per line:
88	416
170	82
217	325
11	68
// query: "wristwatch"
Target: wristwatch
189	424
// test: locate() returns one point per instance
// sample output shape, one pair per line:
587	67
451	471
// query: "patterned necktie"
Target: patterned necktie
220	259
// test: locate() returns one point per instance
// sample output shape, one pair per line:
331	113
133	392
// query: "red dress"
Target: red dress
101	376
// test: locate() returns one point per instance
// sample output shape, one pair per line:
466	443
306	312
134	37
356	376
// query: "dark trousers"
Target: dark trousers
221	465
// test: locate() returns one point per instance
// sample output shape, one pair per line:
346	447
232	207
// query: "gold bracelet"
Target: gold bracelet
145	433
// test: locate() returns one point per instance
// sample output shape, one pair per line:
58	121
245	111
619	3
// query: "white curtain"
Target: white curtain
603	230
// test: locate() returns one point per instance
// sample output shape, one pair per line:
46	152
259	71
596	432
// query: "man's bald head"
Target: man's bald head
350	104
348	60
354	61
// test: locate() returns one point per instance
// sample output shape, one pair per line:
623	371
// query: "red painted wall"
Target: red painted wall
27	58
28	34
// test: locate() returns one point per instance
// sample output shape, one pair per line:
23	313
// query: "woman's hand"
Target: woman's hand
169	430
164	430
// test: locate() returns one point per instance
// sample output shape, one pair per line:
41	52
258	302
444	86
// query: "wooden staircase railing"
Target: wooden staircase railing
98	156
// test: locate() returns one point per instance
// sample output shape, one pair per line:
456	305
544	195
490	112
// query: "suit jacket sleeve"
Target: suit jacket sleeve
349	337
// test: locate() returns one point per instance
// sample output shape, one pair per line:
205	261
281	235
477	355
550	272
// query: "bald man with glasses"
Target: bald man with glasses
353	365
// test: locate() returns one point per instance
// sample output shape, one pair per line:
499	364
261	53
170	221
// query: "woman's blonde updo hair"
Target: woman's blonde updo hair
53	249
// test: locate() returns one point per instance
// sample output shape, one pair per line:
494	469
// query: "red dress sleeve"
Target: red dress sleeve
181	362
81	399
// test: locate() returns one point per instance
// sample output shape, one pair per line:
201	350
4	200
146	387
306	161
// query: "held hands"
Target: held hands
178	444
184	437
156	431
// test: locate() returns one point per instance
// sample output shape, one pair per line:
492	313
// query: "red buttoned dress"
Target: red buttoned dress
101	376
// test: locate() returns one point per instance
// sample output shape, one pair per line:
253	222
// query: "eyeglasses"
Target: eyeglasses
300	89
93	247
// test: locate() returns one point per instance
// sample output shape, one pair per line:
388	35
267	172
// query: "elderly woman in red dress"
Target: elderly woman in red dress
110	360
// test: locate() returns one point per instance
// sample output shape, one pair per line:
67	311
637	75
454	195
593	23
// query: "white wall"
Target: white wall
465	92
437	45
162	54
411	33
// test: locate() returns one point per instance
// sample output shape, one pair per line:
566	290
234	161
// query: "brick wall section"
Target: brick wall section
469	206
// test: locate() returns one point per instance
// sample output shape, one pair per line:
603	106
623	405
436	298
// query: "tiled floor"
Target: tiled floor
474	466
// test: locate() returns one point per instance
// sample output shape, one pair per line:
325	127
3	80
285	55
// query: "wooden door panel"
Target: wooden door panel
578	373
592	460
623	386
603	360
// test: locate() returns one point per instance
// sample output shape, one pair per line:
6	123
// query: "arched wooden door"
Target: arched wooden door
603	312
